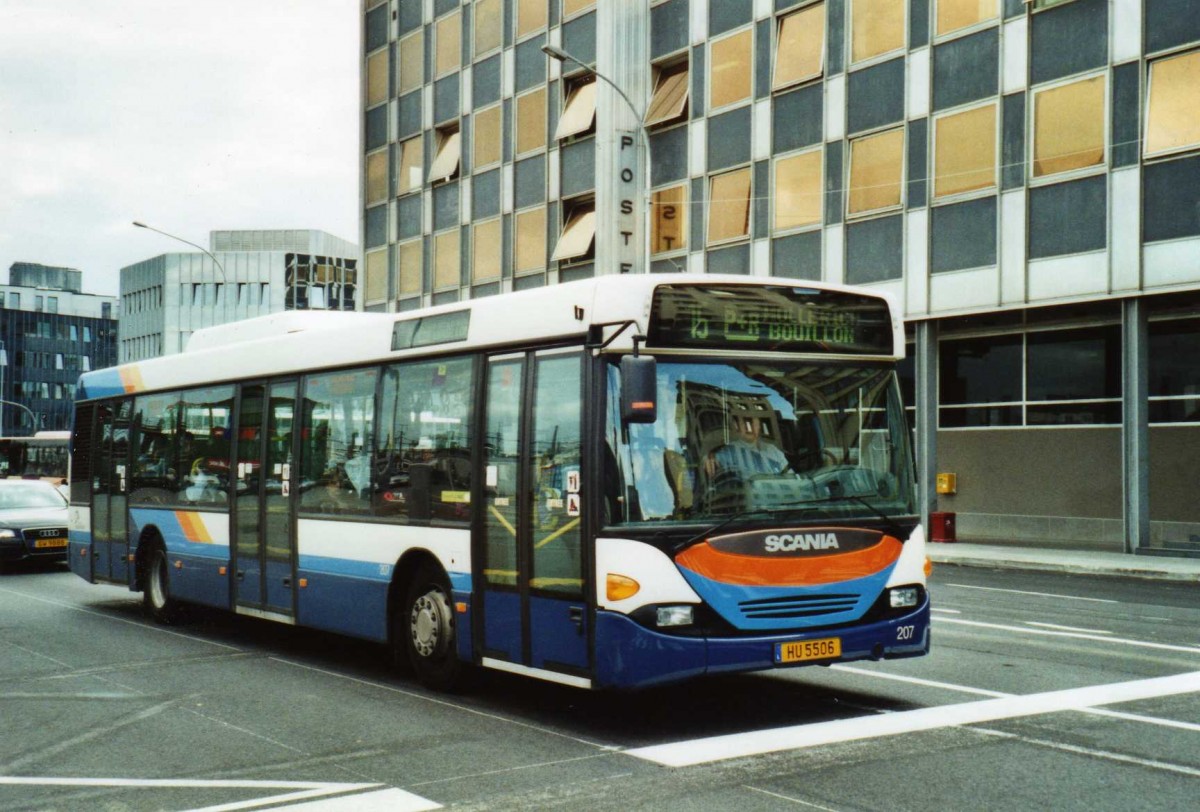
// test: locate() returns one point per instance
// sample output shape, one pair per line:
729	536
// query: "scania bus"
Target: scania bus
42	456
611	483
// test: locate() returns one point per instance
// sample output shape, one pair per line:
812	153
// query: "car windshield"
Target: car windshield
828	439
29	495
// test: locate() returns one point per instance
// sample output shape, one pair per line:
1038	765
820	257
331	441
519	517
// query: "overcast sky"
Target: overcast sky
189	115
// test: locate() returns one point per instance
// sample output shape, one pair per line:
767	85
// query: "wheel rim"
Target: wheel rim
158	591
429	624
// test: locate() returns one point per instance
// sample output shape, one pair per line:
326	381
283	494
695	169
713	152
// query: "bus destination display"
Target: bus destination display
777	319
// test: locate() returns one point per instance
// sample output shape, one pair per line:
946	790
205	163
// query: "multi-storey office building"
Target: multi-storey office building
50	332
246	273
1023	176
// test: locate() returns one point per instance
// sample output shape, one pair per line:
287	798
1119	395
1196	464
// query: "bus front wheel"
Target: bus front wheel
156	591
427	629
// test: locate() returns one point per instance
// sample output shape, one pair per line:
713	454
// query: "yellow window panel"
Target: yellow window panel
798	190
448	43
800	53
577	235
377	78
575	6
1173	115
531	16
668	219
487	26
1068	127
412	154
876	168
955	14
412	62
377	273
729	206
377	177
731	69
670	96
579	113
445	163
965	151
530	237
531	121
411	265
877	27
485	134
485	257
446	270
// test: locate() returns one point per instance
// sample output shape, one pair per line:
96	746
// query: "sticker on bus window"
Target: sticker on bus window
492	476
285	488
572	504
573	481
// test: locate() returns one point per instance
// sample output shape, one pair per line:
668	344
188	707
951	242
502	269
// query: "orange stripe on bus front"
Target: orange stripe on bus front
131	379
193	527
753	570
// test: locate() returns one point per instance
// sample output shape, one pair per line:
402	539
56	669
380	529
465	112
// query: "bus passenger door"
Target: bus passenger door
263	539
534	609
110	453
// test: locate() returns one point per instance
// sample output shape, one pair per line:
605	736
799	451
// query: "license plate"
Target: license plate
44	543
800	651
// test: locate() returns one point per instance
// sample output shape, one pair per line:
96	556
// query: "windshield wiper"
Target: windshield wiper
787	507
887	518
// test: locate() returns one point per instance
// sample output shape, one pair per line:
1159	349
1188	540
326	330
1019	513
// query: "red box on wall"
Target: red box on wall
941	527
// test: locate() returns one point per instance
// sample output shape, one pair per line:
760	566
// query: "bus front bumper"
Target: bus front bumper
629	655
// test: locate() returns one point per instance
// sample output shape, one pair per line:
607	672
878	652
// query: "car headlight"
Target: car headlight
7	535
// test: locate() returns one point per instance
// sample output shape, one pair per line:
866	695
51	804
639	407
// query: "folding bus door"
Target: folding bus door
110	460
534	607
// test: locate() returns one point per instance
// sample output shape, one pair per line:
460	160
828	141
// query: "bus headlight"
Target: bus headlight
676	615
902	597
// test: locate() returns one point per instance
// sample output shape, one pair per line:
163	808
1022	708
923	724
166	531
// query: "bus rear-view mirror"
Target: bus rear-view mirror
638	389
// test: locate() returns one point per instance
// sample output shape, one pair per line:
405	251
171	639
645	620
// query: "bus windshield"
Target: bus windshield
737	436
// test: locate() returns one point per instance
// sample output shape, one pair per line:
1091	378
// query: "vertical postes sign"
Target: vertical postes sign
628	188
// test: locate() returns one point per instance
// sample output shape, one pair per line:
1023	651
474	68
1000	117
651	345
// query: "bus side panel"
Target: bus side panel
79	535
346	569
197	549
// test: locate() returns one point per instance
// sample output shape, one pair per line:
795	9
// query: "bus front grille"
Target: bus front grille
797	606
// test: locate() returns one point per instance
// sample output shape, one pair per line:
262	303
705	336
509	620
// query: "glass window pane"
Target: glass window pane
1175	357
731	69
377	275
486	135
1073	414
877	27
800	52
338	442
411	164
579	113
1075	364
1173	115
729	206
377	177
154	472
531	16
445	163
485	259
1068	126
577	235
446	268
530	241
670	95
487	26
960	417
412	62
377	78
531	121
502	456
955	14
876	169
668	219
422	468
448	43
556	447
980	370
206	417
411	261
798	190
965	151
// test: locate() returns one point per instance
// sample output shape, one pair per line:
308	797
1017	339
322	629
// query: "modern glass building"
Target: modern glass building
1023	176
245	274
50	332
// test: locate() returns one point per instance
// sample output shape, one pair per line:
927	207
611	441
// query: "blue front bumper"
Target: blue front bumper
629	655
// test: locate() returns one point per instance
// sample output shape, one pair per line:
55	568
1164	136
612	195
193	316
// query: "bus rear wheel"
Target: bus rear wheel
427	629
156	590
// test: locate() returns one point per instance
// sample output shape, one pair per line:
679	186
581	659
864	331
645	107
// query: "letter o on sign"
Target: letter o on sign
627	175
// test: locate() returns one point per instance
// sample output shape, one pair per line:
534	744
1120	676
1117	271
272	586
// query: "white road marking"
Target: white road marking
1024	592
738	745
1076	635
383	800
1094	753
1056	627
790	799
945	611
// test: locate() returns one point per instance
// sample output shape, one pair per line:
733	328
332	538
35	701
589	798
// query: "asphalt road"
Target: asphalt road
1044	691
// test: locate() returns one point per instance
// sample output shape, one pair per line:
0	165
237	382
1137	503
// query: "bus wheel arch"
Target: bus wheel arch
423	626
154	578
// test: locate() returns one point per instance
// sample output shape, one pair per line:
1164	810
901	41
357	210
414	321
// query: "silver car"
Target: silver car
33	521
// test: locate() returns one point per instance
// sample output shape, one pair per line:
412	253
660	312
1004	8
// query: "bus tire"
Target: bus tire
156	590
427	629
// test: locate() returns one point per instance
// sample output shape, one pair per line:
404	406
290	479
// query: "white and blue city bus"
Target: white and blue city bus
611	483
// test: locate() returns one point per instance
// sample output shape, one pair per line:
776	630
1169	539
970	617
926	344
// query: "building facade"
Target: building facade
247	273
1024	178
50	332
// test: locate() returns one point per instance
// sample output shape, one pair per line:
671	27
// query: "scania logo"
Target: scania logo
787	542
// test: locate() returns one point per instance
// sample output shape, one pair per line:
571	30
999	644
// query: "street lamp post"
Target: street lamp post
216	261
558	54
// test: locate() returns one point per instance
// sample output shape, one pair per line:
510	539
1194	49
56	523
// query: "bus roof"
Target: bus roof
299	341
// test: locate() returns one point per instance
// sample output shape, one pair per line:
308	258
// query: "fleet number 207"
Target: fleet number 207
905	632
